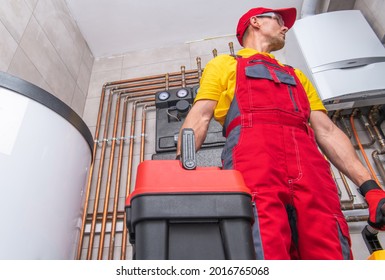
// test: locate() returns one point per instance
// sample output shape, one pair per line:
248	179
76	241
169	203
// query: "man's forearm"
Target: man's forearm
198	119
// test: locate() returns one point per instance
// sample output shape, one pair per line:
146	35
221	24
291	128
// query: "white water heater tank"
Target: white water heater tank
45	154
342	56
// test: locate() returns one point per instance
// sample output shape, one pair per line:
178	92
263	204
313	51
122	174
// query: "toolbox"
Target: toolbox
370	236
179	211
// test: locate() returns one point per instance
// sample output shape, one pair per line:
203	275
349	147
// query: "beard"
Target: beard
277	43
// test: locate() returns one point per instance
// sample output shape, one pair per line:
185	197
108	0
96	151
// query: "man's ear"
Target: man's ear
254	22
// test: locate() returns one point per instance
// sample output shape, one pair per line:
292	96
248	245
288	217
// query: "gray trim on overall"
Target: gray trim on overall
260	71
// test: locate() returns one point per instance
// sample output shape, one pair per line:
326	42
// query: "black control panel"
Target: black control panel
172	107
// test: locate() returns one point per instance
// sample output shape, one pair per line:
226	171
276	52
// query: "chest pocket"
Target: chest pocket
271	87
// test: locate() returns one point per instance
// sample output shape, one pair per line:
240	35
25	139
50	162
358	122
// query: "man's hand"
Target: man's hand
375	198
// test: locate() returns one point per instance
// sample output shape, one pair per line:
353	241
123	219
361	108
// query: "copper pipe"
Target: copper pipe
110	172
378	163
357	112
167	81
118	173
92	167
336	115
109	178
142	138
345	204
183	76
368	128
172	84
349	202
362	218
99	215
146	78
129	166
215	52
139	87
231	47
117	181
354	206
362	149
158	79
376	121
100	174
160	82
199	67
345	125
98	187
90	173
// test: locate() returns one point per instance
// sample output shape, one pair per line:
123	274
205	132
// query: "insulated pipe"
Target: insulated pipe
361	148
89	180
129	166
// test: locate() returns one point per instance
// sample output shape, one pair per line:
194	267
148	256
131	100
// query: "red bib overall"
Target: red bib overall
298	214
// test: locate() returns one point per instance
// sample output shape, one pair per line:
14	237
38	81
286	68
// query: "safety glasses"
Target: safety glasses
273	15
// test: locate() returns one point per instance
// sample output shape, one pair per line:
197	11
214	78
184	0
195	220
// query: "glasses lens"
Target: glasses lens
275	16
279	19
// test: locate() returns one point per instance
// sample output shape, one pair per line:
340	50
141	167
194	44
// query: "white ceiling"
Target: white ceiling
113	27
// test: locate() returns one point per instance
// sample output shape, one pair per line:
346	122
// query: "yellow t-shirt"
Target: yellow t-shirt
219	78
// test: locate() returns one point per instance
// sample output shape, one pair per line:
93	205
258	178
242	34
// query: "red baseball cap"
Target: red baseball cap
288	15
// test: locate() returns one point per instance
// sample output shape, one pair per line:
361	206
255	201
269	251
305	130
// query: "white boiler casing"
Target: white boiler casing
341	55
45	155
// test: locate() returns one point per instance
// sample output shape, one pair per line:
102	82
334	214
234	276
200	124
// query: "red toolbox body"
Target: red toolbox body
175	213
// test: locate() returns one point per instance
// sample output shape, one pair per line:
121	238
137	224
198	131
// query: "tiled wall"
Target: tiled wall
41	44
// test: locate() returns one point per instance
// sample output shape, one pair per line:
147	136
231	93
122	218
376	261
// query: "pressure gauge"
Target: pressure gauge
164	95
182	93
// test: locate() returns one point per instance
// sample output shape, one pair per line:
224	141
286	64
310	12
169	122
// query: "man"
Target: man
273	120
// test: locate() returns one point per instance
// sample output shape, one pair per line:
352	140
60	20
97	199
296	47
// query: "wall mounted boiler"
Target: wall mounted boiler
342	56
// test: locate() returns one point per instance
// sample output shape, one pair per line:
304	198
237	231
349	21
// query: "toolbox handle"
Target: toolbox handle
370	237
188	155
